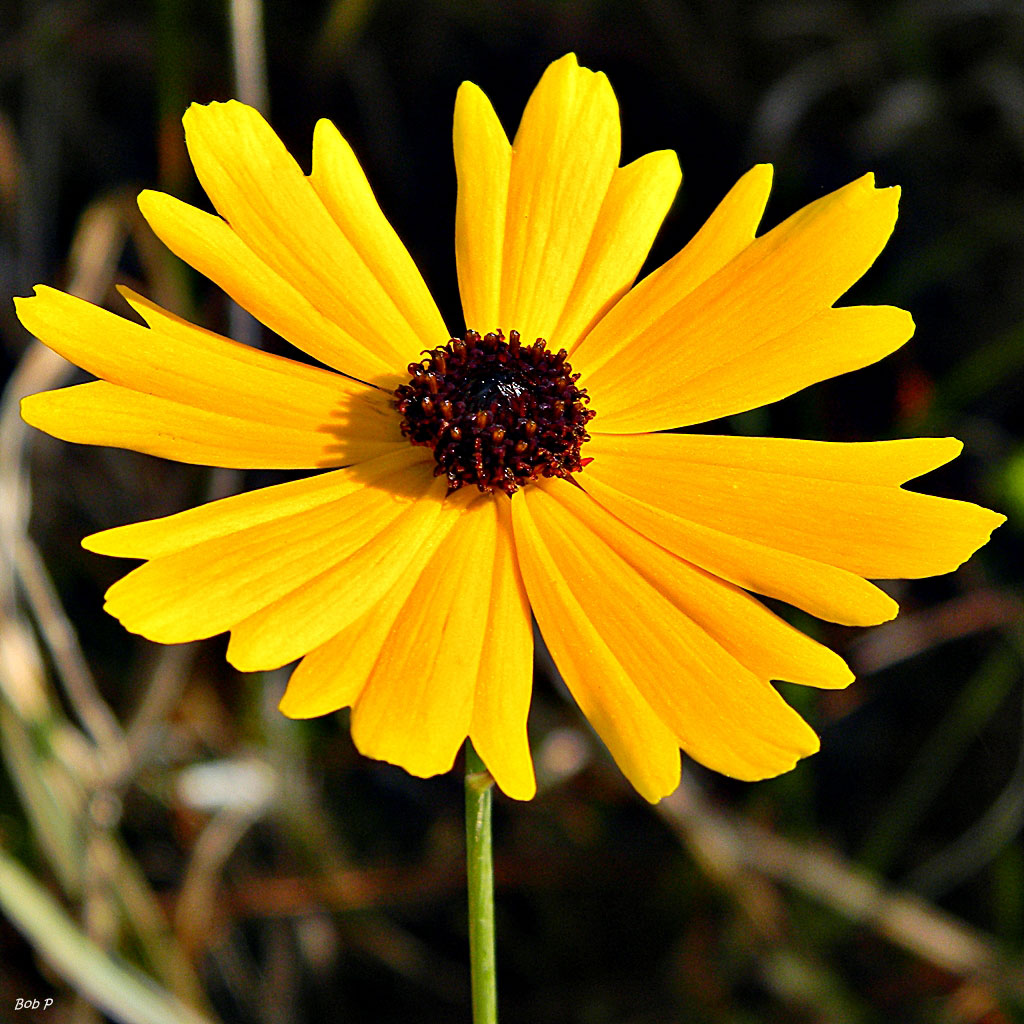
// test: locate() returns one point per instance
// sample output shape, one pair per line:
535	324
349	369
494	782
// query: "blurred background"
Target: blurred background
173	850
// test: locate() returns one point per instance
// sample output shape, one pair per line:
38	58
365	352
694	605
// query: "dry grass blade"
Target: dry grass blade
65	773
95	251
122	992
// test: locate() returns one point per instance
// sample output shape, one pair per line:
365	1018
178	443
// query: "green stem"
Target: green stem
480	881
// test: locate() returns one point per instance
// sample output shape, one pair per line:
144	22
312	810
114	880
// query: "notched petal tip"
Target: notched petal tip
885	198
885	611
776	760
985	523
33	411
131	616
566	60
951	535
665	160
567	72
230	107
30	308
655	785
26	401
423	762
840	680
21	301
786	766
197	114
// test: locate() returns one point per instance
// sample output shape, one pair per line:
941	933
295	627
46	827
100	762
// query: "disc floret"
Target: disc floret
496	413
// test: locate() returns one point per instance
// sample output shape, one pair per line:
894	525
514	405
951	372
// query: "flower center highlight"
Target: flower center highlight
496	413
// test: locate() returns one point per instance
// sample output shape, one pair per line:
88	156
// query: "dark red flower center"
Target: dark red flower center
496	413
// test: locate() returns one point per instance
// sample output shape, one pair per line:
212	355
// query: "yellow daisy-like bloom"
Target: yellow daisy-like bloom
488	476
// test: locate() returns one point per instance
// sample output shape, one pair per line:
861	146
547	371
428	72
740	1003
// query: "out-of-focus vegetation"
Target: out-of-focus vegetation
167	840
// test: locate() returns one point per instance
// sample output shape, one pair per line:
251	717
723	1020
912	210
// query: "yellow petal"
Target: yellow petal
361	420
876	462
333	675
184	363
563	159
362	567
102	413
373	528
602	685
833	342
258	188
483	159
765	314
340	183
638	198
201	397
726	233
857	524
208	244
156	538
417	705
505	681
718	710
758	639
822	590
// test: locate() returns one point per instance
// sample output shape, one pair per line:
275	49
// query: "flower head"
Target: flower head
521	465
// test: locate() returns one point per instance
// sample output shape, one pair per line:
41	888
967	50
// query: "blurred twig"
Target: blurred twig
743	853
198	897
893	642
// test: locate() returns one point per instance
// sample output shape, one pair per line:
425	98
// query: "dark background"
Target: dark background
340	896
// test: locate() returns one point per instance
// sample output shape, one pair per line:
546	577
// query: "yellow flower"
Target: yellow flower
495	477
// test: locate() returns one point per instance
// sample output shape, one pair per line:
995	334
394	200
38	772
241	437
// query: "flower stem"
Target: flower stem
480	881
248	48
